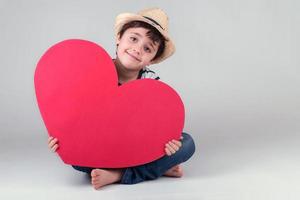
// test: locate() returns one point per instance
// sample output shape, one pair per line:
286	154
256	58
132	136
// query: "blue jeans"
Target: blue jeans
155	169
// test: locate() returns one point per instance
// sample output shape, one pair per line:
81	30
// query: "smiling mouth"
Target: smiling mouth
133	57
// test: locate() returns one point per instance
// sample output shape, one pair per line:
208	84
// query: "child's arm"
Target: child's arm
172	146
53	144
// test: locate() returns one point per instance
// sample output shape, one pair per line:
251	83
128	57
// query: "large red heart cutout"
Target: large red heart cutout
97	122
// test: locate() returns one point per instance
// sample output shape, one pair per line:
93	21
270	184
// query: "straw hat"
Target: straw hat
155	17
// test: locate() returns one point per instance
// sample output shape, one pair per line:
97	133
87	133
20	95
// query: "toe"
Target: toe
97	186
95	172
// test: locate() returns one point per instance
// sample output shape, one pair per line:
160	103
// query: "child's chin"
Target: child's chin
130	65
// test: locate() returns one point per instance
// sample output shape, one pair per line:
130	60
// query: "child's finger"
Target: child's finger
170	148
174	146
168	151
178	143
50	138
53	142
54	148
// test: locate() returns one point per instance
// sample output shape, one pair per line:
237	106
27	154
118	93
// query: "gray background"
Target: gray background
235	68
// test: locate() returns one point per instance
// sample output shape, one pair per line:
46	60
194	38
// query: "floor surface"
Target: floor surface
222	168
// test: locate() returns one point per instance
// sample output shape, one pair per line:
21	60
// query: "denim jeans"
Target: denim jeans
154	169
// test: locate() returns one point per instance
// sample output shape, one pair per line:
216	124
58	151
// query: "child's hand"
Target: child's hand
172	146
52	144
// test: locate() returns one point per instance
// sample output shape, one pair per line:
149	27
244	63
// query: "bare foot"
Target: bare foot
101	177
175	171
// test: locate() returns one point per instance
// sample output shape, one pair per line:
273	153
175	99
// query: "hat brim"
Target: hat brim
124	18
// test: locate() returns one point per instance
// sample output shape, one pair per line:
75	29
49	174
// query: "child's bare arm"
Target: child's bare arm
53	144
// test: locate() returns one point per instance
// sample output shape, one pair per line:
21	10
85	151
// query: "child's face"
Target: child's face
135	49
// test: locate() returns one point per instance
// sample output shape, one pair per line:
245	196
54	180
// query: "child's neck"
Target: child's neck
125	75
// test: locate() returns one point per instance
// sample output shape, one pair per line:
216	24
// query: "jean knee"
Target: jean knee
188	146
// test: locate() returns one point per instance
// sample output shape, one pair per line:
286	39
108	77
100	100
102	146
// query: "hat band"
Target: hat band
154	22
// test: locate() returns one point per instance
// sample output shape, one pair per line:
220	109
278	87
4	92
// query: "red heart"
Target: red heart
97	122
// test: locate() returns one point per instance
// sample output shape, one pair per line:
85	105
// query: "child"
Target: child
141	39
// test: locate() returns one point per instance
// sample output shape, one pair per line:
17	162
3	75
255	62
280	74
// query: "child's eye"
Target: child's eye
133	39
147	49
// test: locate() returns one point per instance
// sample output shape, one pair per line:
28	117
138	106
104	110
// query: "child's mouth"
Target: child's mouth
132	56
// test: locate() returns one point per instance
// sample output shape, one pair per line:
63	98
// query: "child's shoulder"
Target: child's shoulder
148	73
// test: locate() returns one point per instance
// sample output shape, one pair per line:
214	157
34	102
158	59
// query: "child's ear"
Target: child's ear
118	39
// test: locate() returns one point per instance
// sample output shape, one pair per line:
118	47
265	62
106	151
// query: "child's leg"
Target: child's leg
158	167
154	169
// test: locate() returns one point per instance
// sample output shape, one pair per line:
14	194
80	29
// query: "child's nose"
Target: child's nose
138	49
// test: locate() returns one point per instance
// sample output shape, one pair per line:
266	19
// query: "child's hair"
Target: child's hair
153	34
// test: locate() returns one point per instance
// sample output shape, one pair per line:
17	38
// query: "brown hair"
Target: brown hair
153	34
